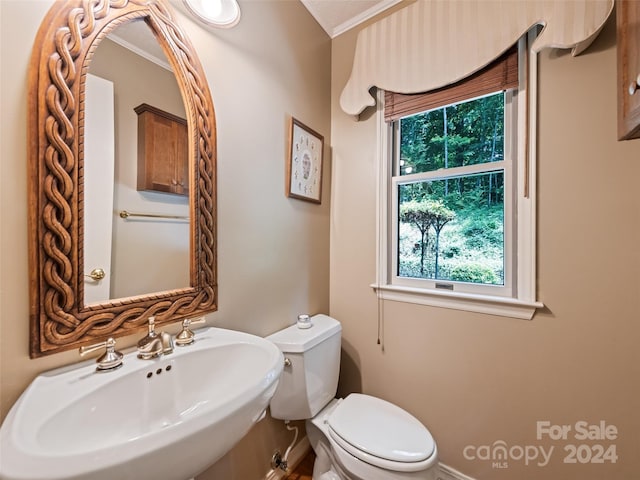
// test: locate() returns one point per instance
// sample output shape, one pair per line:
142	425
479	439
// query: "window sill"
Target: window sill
504	307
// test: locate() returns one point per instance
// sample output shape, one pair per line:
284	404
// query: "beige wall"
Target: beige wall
473	379
476	379
272	252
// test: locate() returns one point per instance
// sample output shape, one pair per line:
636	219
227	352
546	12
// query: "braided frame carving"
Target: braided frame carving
62	51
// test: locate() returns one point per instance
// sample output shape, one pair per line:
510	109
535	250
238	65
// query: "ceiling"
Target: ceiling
338	16
334	16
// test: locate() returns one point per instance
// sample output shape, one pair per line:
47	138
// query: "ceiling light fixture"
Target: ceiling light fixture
217	13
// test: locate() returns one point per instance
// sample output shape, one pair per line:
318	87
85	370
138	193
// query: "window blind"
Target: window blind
501	74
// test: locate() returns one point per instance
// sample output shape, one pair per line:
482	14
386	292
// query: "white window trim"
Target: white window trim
523	303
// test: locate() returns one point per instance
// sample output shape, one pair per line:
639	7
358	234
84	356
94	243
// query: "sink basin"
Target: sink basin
168	418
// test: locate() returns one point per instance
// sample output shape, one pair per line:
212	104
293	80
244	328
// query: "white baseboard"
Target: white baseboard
295	456
448	473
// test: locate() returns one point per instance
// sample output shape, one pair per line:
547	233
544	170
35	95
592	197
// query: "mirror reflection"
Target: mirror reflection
148	251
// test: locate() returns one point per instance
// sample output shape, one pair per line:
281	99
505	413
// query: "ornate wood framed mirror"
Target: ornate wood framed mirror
65	44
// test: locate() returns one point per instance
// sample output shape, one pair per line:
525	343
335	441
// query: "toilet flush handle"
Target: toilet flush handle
287	362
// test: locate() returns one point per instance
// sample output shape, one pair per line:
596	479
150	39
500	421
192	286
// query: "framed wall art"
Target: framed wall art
304	163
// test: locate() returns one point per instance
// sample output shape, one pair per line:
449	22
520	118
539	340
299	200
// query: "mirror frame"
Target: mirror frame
62	51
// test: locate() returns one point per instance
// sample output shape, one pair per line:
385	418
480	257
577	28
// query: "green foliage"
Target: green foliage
426	213
453	228
472	133
473	272
418	213
484	227
464	241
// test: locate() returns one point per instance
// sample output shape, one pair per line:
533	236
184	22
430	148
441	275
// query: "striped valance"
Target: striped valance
433	43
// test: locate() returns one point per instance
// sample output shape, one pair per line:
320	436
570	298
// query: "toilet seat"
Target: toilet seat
380	434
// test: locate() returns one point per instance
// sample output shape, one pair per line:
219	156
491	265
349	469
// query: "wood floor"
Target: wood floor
304	470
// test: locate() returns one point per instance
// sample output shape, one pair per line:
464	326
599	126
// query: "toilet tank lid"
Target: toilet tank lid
294	340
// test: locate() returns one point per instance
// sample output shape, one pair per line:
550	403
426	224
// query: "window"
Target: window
457	213
451	185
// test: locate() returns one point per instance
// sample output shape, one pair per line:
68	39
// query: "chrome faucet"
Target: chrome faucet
154	344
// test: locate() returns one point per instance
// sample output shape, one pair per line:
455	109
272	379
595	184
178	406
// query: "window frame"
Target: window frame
518	299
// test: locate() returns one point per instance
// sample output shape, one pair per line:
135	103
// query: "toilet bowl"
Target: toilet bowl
359	437
370	439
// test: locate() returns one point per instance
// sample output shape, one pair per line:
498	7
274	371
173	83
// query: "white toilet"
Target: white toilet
359	437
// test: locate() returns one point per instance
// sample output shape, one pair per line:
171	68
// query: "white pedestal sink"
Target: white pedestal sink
169	418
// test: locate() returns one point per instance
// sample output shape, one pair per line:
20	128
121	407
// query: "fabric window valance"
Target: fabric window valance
433	43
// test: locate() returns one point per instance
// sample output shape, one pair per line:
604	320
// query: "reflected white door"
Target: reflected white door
99	157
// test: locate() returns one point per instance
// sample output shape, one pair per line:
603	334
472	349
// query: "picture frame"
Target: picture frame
304	163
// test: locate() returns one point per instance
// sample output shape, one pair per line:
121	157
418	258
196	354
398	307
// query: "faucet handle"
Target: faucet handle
110	360
152	326
186	336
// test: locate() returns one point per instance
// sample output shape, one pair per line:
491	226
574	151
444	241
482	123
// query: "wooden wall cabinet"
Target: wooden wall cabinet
162	151
628	33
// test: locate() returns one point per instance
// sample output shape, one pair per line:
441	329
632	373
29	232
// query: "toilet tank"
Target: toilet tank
311	380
